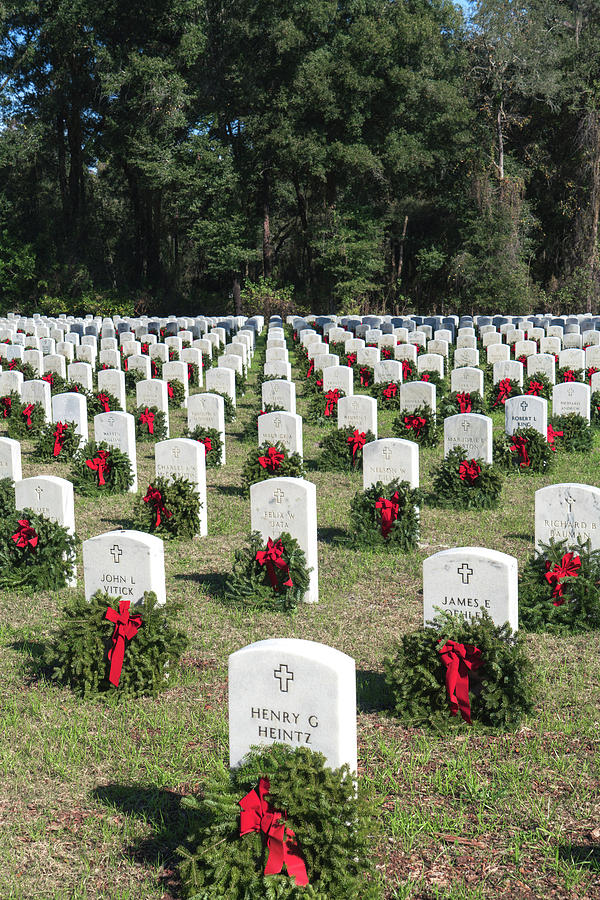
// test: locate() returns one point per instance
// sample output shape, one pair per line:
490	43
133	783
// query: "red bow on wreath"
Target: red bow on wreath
332	398
145	349
100	465
365	376
28	412
272	460
207	445
59	435
469	471
569	375
464	402
551	434
190	371
519	445
147	418
406	369
170	390
425	376
273	559
591	371
104	401
6	404
49	379
415	423
155	498
390	390
536	388
460	659
389	512
568	567
13	364
357	441
504	389
311	366
350	359
25	536
126	628
258	815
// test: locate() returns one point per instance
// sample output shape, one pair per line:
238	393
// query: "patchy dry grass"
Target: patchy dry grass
90	791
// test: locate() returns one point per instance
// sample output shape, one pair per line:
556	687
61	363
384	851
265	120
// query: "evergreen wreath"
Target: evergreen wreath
461	402
323	407
156	368
173	354
330	815
500	691
7	497
500	392
420	426
595	409
229	408
558	588
271	461
213	445
175	393
78	651
268	574
537	385
8	403
341	449
568	373
591	370
386	515
387	394
57	440
193	373
150	424
460	482
206	361
432	378
35	552
525	451
576	437
240	384
58	384
132	376
102	401
170	509
26	369
338	347
364	375
348	359
109	473
26	420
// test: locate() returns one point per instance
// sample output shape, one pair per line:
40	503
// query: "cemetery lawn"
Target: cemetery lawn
90	790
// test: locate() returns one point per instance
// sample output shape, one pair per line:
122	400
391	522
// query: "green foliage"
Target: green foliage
452	492
427	434
95	407
364	376
336	451
496	399
539	379
379	391
251	426
213	456
47	566
58	384
579	608
264	297
568	373
317	407
577	435
595	409
332	819
180	499
118	477
176	393
441	385
249	582
44	449
230	413
77	653
449	406
366	518
17	422
500	692
7	497
159	424
132	376
291	466
539	452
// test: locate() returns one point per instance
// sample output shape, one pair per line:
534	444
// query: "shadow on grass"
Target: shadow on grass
230	490
519	535
33	660
163	811
372	692
581	855
332	536
212	582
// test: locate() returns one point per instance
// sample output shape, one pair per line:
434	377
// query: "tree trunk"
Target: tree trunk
62	170
500	142
267	245
237	296
401	250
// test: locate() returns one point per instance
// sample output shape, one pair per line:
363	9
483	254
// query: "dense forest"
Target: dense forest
391	155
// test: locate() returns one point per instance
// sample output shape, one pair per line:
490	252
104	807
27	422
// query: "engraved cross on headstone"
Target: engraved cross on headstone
176	451
569	501
278	495
116	553
387	452
466	426
284	676
39	491
465	573
524	405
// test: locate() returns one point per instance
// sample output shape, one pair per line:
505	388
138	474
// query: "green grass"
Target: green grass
91	791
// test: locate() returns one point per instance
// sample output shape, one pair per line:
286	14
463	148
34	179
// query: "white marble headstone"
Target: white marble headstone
388	459
71	407
10	459
281	393
358	412
526	411
117	429
281	426
472	432
567	511
184	458
124	564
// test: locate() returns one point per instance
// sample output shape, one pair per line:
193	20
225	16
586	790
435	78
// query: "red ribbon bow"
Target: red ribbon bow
568	567
425	376
104	401
13	364
207	445
569	375
126	627
357	440
258	815
417	423
7	404
460	659
591	371
332	398
28	412
100	465
190	371
272	460
350	359
147	418
464	402
390	390
504	389
551	434
273	559
145	349
406	369
25	535
365	376
389	512
469	471
311	366
60	433
155	498
519	445
170	390
535	387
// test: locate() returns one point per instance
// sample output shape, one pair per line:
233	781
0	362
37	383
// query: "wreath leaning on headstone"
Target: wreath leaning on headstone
537	385
525	451
104	647
150	424
170	509
326	842
322	407
567	373
57	441
98	468
271	461
342	449
420	426
572	433
452	665
102	401
175	393
461	402
500	392
58	384
595	409
213	444
7	497
558	588
8	403
268	574
386	515
460	482
35	552
229	408
26	420
387	394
